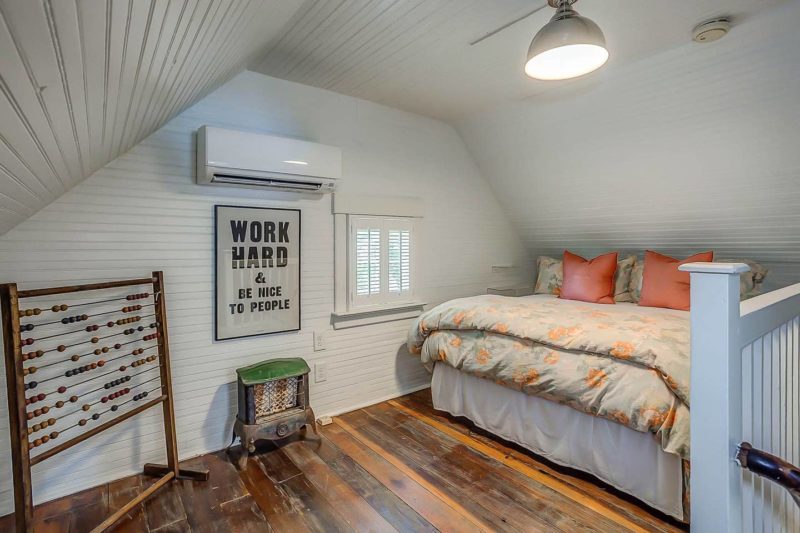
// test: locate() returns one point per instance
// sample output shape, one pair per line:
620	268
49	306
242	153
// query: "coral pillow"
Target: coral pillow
663	285
589	281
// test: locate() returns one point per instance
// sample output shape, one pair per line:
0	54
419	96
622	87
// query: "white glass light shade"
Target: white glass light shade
566	47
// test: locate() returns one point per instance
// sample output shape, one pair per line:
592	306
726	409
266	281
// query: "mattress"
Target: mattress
628	460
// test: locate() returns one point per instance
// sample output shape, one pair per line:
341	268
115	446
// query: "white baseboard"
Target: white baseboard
356	407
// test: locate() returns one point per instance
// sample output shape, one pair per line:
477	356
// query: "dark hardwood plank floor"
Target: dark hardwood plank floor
396	466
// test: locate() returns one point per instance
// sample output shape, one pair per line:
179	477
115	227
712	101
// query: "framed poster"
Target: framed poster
257	271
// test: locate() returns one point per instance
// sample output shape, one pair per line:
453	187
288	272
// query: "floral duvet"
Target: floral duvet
621	362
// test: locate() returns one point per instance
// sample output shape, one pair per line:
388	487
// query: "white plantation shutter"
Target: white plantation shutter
368	261
399	257
380	260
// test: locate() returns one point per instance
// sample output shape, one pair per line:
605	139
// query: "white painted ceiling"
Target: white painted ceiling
416	54
81	81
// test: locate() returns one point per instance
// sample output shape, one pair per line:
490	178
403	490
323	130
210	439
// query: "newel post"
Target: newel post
716	389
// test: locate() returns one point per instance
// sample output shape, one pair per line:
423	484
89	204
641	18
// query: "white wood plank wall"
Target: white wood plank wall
81	81
688	150
143	212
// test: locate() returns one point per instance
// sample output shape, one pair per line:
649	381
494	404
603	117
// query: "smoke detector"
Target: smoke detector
711	30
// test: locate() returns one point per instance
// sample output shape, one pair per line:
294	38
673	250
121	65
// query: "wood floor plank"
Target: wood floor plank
418	495
164	508
347	501
526	500
315	510
276	505
383	500
243	516
420	402
560	487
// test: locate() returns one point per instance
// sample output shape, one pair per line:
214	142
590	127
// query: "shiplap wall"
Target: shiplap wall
143	212
81	81
689	150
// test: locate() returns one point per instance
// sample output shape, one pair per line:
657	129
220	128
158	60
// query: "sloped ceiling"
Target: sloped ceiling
81	81
424	56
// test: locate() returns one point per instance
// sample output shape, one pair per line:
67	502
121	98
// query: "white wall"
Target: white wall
696	148
142	212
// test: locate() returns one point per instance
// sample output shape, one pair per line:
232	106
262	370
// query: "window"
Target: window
379	261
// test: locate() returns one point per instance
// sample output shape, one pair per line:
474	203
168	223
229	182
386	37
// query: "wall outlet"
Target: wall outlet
319	341
320	372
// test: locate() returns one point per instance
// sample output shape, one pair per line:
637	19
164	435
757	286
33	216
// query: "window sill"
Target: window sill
351	319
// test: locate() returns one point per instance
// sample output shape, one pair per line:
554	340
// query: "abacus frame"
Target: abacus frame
22	461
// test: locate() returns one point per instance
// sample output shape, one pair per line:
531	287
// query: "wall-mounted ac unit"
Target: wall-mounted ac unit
245	159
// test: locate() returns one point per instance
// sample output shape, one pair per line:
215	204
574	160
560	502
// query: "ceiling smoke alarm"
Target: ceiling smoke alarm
711	30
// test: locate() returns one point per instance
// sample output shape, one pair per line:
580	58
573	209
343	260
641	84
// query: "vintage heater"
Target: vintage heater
273	402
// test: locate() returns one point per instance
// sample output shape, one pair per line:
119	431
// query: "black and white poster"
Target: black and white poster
257	271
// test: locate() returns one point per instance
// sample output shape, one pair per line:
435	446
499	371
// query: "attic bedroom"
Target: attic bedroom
400	265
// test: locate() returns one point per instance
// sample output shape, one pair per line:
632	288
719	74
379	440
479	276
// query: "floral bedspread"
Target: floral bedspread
622	362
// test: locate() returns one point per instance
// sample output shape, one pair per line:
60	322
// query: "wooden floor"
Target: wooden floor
398	465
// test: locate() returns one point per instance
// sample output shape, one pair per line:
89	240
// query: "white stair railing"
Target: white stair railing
744	386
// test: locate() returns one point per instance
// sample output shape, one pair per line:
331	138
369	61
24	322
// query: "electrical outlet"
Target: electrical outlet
320	372
319	341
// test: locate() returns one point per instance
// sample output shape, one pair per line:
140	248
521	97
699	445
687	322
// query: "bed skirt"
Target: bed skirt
626	459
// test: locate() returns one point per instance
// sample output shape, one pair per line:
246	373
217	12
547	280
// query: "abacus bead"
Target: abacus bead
104	399
117	346
61	348
71	320
105	349
27	342
29	416
73	399
37	311
45	439
55	308
95	340
32	369
37	427
42	397
97	351
64	307
123	368
83	317
59	404
82	422
86	407
114	407
93	365
37	442
96	416
110	323
100	363
39	353
75	357
68	374
33	384
54	435
37	412
51	421
25	371
126	390
127	379
65	320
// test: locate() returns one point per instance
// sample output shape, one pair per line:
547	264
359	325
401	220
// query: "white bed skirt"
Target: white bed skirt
629	460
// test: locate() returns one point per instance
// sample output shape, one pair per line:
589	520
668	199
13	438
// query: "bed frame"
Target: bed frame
745	383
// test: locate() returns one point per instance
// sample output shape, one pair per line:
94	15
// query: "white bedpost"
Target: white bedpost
715	404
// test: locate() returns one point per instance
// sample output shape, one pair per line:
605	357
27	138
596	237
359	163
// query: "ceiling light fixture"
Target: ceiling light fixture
566	47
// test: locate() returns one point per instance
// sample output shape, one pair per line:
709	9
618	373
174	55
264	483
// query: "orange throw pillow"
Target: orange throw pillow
589	281
663	285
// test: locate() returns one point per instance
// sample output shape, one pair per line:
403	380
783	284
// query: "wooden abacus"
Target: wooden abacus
102	389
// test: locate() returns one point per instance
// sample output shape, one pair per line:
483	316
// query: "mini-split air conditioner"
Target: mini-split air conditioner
244	159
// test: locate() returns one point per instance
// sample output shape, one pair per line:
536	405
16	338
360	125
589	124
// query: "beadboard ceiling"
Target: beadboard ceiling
416	54
81	81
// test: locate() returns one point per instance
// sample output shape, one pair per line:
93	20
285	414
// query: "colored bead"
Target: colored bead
54	435
37	442
75	357
55	308
73	399
82	422
95	340
96	416
59	404
32	369
65	320
114	407
117	346
110	324
123	368
61	348
64	307
33	384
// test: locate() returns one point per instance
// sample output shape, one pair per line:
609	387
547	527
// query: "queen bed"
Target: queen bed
600	388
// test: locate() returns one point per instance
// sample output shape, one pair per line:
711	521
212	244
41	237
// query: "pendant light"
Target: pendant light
566	47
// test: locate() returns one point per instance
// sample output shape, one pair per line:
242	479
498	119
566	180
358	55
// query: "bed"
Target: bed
600	388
